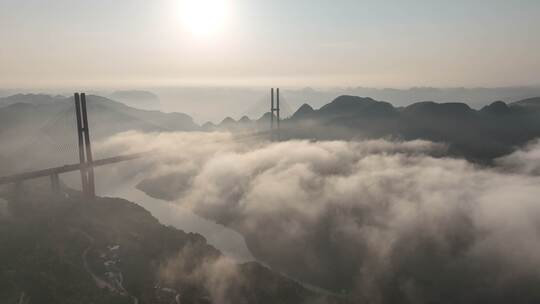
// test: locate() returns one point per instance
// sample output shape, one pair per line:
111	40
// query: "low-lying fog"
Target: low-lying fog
377	219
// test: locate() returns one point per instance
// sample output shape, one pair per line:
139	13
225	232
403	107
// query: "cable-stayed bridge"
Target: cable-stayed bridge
61	126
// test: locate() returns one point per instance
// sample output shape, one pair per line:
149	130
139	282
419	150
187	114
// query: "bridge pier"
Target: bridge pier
17	190
55	183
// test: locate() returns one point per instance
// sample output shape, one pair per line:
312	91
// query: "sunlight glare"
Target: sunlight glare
206	18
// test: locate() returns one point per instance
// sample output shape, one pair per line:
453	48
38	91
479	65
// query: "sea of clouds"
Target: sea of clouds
378	221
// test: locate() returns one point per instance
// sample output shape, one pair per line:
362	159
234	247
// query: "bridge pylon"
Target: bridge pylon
274	114
85	147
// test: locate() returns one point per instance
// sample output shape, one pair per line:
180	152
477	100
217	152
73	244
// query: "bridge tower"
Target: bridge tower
85	147
274	114
85	165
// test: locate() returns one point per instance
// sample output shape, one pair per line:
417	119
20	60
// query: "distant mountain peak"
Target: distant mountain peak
244	119
303	111
265	117
228	121
497	107
345	101
209	126
354	105
305	107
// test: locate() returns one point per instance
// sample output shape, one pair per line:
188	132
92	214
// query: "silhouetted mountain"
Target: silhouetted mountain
496	108
35	99
227	124
355	106
209	126
137	99
227	121
52	126
304	111
478	135
475	97
106	116
239	101
265	117
244	124
244	120
160	120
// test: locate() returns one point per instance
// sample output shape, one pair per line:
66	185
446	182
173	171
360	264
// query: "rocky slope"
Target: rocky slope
66	249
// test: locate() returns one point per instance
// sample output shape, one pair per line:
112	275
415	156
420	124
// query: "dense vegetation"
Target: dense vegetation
53	250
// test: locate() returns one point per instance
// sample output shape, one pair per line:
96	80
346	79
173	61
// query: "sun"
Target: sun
206	18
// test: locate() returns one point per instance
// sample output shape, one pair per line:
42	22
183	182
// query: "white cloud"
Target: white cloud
383	218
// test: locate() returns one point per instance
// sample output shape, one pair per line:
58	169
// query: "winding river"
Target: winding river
228	241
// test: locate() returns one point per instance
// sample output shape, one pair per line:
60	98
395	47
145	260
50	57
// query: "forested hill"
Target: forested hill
66	249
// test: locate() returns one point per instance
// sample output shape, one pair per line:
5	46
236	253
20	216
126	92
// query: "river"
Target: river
228	241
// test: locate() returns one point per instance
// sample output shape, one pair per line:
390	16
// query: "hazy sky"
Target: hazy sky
131	43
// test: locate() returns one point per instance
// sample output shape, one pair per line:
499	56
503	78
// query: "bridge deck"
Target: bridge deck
68	168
